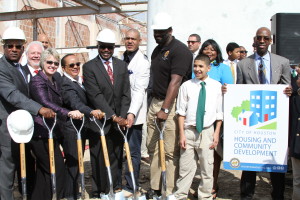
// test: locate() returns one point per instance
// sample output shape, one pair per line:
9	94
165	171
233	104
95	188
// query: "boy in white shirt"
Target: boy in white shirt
198	137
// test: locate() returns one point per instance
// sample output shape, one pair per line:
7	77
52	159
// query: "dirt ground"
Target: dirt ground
228	183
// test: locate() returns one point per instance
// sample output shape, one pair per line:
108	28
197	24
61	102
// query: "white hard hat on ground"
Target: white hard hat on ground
161	21
13	33
106	36
20	126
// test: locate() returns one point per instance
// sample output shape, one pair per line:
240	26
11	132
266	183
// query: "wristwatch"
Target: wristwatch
165	110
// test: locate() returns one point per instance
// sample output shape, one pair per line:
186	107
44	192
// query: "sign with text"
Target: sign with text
256	128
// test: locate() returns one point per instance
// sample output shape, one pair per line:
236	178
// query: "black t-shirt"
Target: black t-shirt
175	58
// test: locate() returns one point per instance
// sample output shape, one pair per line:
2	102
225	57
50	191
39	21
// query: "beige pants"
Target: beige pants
197	148
171	147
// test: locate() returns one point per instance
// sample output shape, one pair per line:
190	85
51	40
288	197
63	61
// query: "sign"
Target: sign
256	128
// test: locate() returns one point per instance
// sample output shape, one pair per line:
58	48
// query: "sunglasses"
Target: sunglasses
72	65
243	51
50	62
193	42
266	38
110	47
10	46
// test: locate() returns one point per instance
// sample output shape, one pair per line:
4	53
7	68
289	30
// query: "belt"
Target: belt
158	98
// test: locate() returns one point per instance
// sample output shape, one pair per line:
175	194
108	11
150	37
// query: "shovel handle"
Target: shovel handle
128	156
51	155
162	155
80	156
22	160
104	149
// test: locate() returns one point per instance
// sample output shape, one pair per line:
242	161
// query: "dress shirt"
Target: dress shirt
110	63
194	56
187	101
31	69
228	62
77	79
267	61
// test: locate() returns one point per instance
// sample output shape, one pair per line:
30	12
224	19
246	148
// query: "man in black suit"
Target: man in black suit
74	98
14	95
106	81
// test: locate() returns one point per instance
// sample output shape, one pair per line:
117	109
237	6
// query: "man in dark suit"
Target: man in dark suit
106	81
263	67
74	98
14	95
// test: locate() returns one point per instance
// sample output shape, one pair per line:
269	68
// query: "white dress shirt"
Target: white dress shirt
187	101
110	63
31	69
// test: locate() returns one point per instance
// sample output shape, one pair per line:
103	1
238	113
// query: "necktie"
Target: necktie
262	72
110	72
232	71
201	108
36	71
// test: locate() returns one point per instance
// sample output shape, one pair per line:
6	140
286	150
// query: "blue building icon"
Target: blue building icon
264	104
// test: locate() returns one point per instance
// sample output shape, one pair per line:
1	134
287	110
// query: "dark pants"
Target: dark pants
69	145
114	142
134	140
9	162
248	181
43	186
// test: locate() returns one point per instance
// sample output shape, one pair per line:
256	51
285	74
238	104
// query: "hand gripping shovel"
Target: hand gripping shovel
162	159
111	194
80	157
20	127
51	157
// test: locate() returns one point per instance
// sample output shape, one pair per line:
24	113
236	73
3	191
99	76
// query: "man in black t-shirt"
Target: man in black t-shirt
170	66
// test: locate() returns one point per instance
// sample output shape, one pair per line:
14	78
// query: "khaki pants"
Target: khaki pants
197	148
171	147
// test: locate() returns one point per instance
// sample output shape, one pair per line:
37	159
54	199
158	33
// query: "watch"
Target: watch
165	110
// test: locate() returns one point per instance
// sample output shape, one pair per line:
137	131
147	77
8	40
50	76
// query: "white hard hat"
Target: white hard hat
161	21
13	33
20	126
106	36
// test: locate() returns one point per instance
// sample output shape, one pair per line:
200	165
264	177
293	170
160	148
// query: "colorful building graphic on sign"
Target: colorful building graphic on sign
263	108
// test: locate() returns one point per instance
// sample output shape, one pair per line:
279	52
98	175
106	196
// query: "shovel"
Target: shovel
111	194
51	157
80	157
162	159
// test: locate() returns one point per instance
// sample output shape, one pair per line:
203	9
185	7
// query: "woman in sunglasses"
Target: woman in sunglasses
45	89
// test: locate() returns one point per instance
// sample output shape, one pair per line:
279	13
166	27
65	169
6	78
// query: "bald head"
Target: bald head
132	40
262	40
44	40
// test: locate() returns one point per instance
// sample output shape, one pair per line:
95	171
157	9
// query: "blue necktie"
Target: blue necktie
201	108
262	72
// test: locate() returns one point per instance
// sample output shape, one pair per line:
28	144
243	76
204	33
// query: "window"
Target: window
272	105
257	114
267	97
272	113
267	106
257	106
253	105
257	97
272	97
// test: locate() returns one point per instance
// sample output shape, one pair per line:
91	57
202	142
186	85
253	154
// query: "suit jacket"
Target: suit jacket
139	75
111	99
14	95
47	94
280	67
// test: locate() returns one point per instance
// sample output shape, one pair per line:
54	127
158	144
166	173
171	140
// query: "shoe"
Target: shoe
127	194
146	160
95	196
153	194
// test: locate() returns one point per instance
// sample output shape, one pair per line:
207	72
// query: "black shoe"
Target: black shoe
95	195
153	194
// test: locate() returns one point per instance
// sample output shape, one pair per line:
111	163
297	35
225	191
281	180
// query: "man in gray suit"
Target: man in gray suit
14	95
263	67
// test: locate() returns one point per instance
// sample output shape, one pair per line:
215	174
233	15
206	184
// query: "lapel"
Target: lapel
116	70
252	70
103	70
49	84
274	69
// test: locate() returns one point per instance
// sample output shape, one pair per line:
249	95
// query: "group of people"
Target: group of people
185	84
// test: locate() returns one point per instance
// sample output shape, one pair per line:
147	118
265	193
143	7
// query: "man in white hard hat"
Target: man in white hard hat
33	53
13	96
106	81
139	73
170	66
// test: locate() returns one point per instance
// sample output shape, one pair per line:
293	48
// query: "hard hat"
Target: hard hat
161	21
106	36
20	126
13	33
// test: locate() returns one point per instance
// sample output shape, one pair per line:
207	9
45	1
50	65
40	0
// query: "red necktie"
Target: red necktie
110	72
36	71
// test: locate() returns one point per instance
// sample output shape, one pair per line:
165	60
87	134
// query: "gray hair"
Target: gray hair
33	43
45	54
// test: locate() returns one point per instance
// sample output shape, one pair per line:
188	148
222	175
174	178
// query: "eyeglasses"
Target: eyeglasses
72	65
50	62
193	42
266	38
10	46
243	51
110	47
